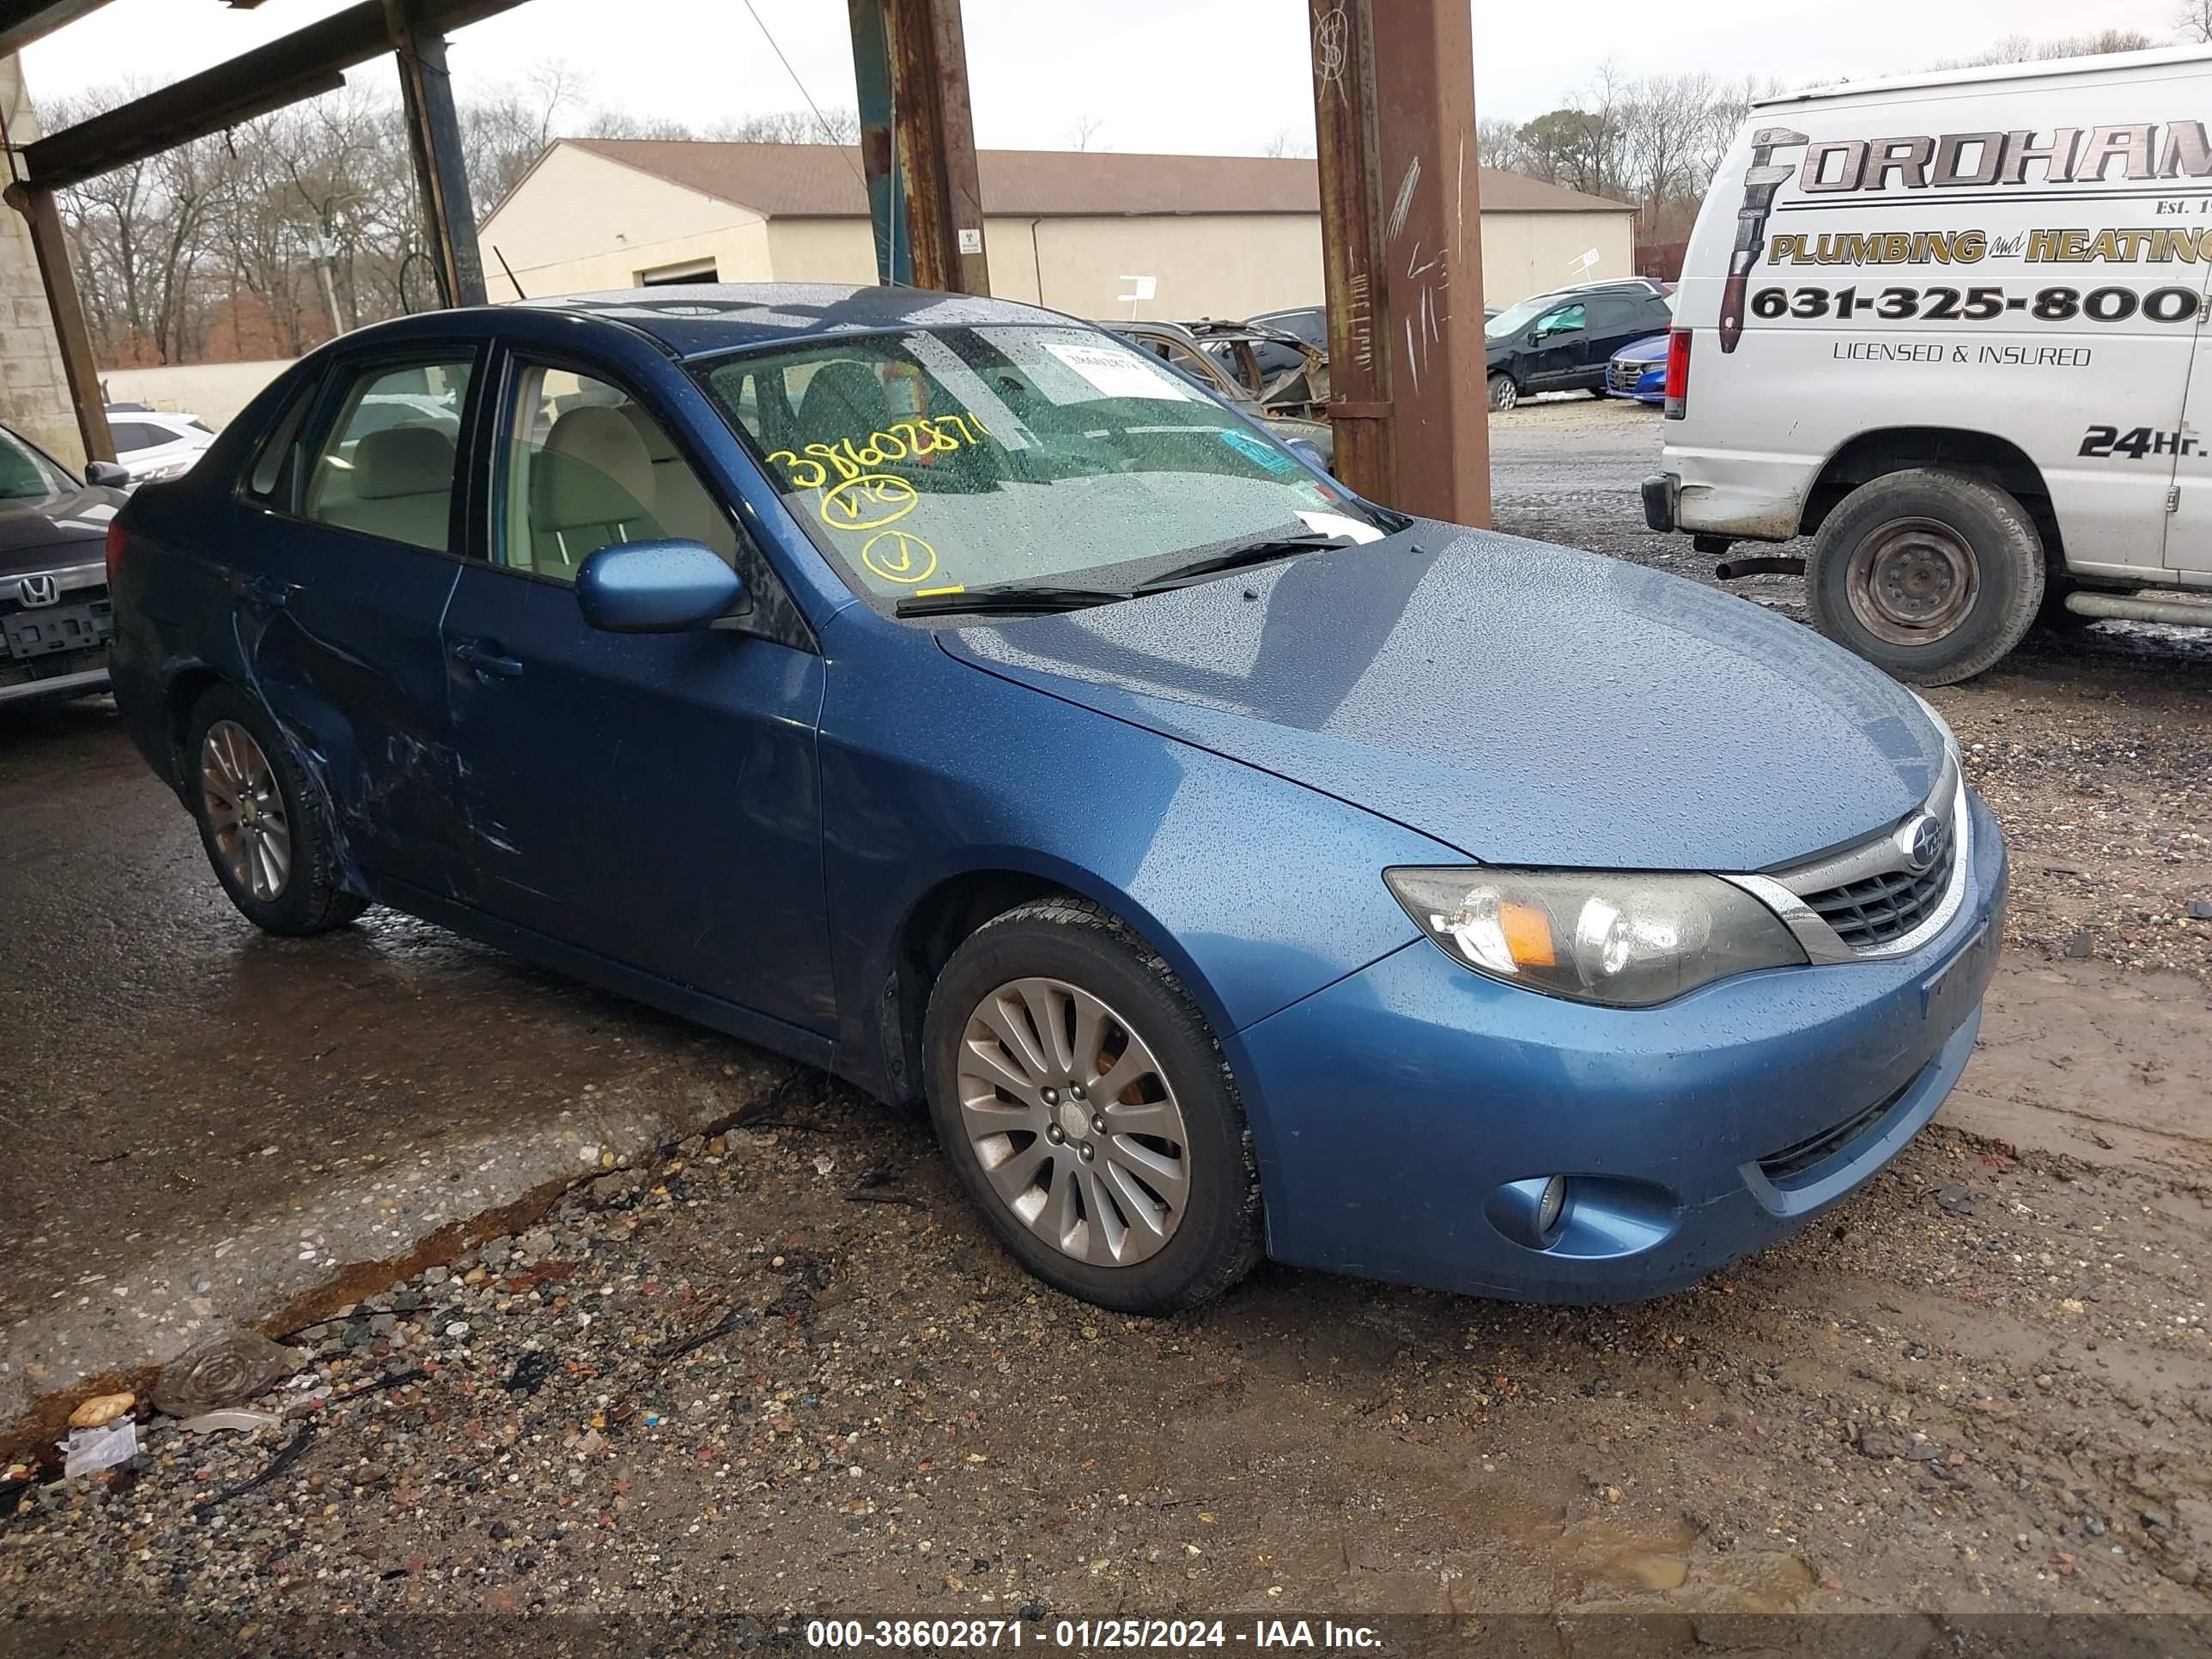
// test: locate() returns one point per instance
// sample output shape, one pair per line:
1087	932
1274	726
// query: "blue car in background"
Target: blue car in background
942	692
1639	371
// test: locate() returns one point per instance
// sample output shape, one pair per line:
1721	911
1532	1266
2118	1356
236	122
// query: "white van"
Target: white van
1953	327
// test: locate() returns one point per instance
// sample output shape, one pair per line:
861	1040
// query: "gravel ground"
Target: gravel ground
784	1370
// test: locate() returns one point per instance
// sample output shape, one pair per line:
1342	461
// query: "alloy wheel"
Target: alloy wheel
1074	1122
245	811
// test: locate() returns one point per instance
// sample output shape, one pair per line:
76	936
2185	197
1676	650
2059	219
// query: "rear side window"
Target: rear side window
387	466
272	480
136	435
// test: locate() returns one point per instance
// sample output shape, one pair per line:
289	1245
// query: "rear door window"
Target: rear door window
386	467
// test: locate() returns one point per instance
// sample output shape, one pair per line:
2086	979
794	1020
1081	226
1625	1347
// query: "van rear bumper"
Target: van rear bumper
1661	492
1744	495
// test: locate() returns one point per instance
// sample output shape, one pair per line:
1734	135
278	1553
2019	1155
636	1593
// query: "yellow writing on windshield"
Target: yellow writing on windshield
866	502
849	458
897	556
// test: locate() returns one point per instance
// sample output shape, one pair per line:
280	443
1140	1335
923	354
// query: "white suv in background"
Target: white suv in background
151	444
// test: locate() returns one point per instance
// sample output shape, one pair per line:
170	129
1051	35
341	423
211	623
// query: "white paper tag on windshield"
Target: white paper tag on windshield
1113	372
1336	524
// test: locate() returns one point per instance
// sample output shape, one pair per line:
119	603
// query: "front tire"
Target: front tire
1931	575
1089	1112
262	820
1505	395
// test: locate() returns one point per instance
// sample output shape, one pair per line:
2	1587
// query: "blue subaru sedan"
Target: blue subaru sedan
943	693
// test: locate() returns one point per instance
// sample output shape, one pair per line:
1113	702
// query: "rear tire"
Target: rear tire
262	819
1101	1135
1931	575
1505	395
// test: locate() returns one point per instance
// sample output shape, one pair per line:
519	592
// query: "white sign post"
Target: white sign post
1141	288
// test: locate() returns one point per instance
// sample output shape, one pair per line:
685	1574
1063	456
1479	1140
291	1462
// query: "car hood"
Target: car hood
1653	351
69	528
1522	702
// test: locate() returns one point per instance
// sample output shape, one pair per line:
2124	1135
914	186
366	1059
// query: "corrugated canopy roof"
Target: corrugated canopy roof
819	182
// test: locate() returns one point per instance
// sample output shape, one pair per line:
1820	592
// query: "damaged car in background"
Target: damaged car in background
951	695
1224	359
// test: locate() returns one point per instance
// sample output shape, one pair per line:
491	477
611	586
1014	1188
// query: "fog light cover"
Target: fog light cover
1551	1207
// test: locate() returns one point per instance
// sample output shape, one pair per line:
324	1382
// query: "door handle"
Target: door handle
483	656
260	590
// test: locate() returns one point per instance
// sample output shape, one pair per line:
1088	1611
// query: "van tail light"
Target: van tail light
118	539
1678	373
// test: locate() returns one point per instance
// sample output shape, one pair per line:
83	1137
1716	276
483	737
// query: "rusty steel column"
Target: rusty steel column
918	143
1401	252
434	137
70	334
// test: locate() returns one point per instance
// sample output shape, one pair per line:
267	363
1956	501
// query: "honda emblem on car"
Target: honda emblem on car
39	590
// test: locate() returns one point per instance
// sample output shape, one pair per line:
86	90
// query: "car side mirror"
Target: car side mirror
1535	335
107	475
656	587
1309	452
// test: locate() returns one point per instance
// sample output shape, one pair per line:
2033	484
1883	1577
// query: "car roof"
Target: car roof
694	318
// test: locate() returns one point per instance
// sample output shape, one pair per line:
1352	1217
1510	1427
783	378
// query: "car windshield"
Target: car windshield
25	476
1514	318
937	460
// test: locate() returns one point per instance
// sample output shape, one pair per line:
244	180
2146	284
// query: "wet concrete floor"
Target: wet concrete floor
206	1122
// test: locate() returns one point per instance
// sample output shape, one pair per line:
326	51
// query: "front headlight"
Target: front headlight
1612	936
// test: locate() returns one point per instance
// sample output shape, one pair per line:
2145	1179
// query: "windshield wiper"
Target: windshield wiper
1008	597
1247	553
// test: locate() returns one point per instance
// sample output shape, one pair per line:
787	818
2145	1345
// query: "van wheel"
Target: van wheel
1504	394
1089	1112
1931	575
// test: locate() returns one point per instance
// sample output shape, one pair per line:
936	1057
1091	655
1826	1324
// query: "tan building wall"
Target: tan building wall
33	391
1208	265
213	391
1525	253
581	223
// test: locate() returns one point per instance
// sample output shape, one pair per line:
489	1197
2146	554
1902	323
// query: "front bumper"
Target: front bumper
1408	1115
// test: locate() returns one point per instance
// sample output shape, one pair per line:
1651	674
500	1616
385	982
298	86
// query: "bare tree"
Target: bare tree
1497	141
1287	143
2195	22
2023	49
1082	130
791	126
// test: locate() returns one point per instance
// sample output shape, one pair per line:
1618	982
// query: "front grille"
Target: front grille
1870	913
1786	1166
1622	377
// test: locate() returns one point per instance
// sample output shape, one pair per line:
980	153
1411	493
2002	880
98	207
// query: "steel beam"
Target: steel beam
434	136
302	64
51	247
918	144
1401	252
22	22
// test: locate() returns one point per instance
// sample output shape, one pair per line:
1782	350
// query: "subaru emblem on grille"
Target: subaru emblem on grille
1918	840
36	591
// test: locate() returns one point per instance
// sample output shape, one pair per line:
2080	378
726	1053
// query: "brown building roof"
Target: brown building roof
820	181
